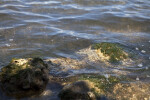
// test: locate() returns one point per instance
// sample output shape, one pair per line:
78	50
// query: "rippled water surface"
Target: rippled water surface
60	28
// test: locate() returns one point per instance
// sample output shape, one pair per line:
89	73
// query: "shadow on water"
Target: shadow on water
50	93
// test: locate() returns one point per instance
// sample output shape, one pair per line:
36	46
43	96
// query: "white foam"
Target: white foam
11	40
136	48
137	78
140	65
8	45
143	51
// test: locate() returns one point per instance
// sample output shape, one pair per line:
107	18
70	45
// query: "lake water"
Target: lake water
60	28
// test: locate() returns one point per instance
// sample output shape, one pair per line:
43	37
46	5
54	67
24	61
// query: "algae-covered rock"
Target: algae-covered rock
110	51
89	87
118	88
105	87
131	91
24	76
101	84
80	90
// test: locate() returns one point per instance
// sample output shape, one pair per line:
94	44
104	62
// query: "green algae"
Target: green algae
24	76
98	85
114	51
14	67
102	83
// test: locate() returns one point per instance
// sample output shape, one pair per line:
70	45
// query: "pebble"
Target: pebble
142	45
140	65
143	51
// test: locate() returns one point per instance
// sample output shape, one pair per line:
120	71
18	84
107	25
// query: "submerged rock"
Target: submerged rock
80	90
117	88
110	51
89	87
101	84
131	91
24	76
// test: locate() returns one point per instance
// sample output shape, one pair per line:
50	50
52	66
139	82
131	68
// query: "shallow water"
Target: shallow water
60	28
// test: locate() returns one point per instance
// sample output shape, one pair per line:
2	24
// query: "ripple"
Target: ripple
43	3
50	25
61	28
11	27
13	5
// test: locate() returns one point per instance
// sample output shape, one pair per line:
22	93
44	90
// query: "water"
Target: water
60	28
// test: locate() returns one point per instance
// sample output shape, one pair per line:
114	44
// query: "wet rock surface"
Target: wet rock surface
110	51
80	90
23	77
133	91
105	87
90	77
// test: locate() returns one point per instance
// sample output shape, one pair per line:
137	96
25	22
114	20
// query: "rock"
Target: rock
117	88
100	84
110	51
131	91
90	87
80	90
24	76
